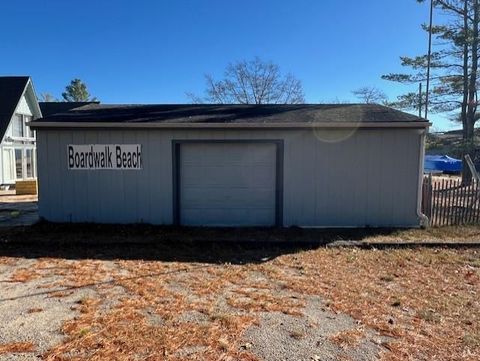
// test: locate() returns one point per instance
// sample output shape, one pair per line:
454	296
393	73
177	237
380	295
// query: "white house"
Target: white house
18	106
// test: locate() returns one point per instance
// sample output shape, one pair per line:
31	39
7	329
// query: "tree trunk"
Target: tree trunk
472	94
463	114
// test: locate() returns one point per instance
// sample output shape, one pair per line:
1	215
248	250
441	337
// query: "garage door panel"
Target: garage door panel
227	184
214	154
233	175
223	217
221	197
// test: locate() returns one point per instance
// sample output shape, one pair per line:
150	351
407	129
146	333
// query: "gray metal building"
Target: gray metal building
345	165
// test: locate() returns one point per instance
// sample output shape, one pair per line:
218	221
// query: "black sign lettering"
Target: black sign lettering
101	156
71	160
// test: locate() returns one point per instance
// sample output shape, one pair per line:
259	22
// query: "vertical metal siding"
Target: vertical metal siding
370	178
43	172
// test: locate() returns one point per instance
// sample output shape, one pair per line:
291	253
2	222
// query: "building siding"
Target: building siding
23	107
331	178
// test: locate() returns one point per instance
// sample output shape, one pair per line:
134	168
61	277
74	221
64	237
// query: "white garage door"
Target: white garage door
227	184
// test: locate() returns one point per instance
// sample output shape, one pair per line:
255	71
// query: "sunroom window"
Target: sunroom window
29	161
18	164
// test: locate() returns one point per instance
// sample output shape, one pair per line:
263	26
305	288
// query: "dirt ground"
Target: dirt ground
17	210
150	294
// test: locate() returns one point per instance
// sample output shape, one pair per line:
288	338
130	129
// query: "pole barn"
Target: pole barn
342	165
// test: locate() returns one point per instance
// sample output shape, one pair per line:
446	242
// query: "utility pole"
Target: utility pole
429	58
420	100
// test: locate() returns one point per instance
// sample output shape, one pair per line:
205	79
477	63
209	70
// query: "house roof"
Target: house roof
223	115
50	108
11	90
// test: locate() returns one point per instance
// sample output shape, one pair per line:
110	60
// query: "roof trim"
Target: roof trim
34	95
97	125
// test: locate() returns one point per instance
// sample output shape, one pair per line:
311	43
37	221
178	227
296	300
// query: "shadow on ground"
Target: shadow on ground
180	244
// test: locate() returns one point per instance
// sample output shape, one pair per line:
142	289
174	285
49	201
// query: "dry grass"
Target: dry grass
35	310
348	338
8	261
24	275
125	330
17	347
429	304
449	234
426	299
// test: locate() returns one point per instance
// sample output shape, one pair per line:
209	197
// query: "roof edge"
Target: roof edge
97	125
30	87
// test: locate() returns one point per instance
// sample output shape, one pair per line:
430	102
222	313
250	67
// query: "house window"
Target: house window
20	129
30	131
30	163
17	126
18	164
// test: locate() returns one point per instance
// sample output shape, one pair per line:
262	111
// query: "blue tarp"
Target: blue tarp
442	163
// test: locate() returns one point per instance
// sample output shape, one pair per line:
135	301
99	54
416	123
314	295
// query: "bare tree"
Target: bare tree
252	82
335	100
370	95
47	97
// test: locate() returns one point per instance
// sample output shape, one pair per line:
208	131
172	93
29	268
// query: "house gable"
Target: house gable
17	95
24	107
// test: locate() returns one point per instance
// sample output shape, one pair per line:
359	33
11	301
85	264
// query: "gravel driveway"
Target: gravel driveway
91	292
49	307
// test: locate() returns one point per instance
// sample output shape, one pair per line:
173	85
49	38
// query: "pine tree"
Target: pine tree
454	66
77	91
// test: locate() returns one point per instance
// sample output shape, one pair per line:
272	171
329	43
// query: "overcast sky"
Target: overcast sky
153	51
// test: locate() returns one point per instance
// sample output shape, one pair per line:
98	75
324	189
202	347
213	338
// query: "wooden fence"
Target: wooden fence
447	202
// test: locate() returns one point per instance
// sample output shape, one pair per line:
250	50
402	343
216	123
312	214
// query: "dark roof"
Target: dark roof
181	113
11	90
50	108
